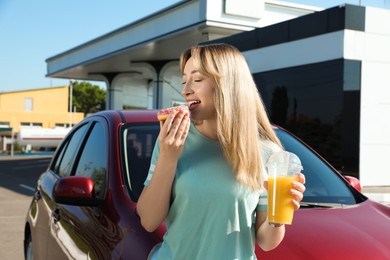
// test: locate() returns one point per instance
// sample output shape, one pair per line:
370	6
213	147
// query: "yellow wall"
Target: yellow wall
49	107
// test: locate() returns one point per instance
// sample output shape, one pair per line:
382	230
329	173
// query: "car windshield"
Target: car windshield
323	185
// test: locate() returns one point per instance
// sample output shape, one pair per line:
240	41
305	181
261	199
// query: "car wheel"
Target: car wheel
28	251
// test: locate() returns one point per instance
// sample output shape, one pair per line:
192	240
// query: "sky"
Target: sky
33	31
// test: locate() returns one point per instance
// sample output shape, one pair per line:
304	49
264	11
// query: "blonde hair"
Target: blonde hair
242	121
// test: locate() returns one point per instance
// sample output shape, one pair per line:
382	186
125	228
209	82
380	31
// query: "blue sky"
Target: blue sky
32	31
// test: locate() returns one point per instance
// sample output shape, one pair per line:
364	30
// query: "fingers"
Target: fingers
174	129
166	125
297	194
265	183
178	125
298	186
302	178
186	128
298	190
296	205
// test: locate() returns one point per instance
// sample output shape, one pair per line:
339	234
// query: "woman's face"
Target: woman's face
198	90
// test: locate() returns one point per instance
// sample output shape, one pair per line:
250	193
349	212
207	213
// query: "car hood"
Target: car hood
352	232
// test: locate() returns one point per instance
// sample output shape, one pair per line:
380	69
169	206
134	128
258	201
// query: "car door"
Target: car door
60	167
84	231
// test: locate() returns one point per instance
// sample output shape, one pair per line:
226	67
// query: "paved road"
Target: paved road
18	177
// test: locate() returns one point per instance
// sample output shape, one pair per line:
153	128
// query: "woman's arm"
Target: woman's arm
269	237
154	201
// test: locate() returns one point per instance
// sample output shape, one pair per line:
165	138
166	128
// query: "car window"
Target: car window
65	159
138	144
322	183
93	159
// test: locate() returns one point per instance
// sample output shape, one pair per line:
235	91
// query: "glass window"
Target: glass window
31	124
93	159
67	155
28	104
138	142
57	160
308	100
320	103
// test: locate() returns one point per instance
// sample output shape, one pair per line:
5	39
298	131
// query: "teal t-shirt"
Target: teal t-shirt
211	216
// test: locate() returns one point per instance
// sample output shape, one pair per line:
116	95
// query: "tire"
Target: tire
28	250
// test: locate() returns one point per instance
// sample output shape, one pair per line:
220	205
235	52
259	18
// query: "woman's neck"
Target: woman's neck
208	128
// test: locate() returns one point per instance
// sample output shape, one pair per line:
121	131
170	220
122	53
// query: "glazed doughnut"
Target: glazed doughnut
163	113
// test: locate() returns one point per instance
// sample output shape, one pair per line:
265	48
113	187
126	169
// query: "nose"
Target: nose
186	90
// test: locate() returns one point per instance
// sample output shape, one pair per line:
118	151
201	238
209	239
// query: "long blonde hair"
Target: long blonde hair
242	121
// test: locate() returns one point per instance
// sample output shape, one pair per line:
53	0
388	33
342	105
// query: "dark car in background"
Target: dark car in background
84	206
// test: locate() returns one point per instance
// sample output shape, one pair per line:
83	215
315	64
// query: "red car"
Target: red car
84	206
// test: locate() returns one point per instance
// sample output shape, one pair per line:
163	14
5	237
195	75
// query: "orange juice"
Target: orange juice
280	209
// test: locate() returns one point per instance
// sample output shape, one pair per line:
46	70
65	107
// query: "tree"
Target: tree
88	98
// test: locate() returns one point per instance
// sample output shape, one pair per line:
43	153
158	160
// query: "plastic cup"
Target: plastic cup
283	168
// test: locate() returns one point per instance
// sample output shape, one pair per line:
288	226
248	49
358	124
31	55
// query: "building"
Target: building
324	76
139	62
39	109
322	73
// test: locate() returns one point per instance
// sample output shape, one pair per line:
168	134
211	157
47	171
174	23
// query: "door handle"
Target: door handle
37	195
56	215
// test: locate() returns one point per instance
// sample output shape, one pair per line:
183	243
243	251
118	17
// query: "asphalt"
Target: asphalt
13	210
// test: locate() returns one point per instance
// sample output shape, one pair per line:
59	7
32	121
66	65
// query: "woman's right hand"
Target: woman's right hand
173	133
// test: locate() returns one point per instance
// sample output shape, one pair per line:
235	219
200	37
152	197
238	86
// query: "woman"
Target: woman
206	177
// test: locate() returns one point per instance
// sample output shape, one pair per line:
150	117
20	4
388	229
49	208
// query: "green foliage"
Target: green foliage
88	98
17	147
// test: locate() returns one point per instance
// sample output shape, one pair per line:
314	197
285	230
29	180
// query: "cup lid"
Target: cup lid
286	159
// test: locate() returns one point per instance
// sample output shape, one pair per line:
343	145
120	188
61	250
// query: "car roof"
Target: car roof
128	116
139	115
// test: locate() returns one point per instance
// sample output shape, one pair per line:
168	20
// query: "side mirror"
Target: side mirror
76	191
354	182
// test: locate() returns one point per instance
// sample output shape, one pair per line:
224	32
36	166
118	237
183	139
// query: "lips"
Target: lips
193	104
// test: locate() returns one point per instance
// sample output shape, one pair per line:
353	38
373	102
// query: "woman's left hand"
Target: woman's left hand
298	188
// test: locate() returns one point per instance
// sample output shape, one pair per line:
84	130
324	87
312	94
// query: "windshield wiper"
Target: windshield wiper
321	205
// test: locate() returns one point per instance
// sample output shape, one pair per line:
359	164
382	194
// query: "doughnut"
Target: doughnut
163	113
